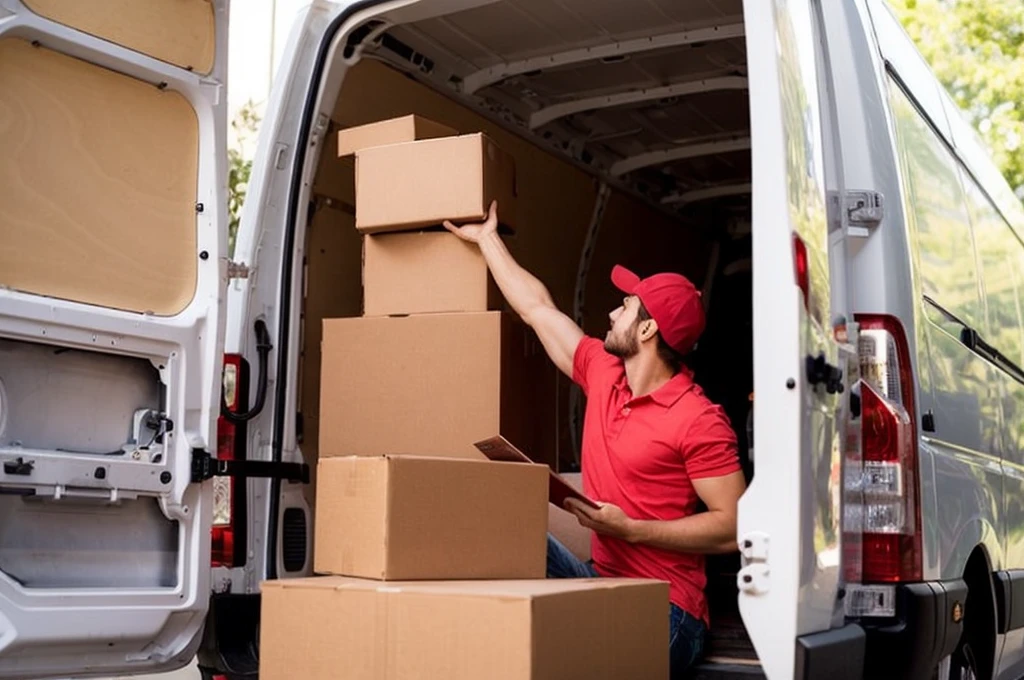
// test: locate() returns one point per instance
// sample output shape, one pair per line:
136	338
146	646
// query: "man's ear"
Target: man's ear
648	330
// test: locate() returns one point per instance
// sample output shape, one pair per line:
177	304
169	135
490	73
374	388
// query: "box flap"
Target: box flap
392	131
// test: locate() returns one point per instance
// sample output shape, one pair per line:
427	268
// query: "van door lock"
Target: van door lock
205	466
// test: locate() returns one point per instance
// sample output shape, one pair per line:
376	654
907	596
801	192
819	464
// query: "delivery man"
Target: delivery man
653	444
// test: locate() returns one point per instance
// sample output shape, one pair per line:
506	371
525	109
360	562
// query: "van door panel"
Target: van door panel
182	32
114	230
97	184
790	513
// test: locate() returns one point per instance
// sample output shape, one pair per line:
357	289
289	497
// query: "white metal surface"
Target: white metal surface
792	505
616	50
84	623
679	153
743	189
562	109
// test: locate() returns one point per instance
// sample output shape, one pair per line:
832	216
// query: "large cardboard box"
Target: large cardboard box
393	131
406	186
421	271
433	384
412	517
568	629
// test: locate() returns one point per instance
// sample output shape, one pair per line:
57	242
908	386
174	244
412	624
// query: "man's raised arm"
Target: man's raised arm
525	293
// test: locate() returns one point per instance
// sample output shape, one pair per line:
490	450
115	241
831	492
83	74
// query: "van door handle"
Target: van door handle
820	371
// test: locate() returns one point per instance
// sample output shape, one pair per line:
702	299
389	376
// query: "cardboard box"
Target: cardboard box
566	629
566	528
433	384
412	517
407	186
419	272
394	131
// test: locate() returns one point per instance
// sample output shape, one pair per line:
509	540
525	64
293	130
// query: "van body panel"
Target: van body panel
108	385
793	503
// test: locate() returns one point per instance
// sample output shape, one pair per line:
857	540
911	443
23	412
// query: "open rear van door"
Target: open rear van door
113	265
789	518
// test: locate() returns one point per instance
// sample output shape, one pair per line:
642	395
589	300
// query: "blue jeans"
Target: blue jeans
685	632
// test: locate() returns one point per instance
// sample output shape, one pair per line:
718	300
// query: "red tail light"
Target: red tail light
222	553
889	515
802	267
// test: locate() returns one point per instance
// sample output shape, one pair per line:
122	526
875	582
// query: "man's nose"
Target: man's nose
614	314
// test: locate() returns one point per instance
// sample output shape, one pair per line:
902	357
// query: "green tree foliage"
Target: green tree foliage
245	124
976	48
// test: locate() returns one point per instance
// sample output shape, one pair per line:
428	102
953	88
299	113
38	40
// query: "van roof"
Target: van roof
651	94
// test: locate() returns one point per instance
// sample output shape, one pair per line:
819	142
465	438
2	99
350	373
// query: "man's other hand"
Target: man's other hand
608	520
474	233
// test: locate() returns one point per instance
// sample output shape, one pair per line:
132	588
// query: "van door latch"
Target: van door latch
820	371
19	466
237	270
205	466
864	208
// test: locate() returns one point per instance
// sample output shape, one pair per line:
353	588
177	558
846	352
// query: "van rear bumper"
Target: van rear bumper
922	633
836	654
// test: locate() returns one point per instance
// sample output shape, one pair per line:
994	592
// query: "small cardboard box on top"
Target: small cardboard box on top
421	272
433	384
414	517
392	131
401	187
598	629
336	172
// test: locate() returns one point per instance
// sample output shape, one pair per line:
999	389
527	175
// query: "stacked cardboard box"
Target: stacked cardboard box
408	510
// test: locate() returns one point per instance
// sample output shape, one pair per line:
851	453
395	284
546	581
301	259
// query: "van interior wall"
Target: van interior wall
556	201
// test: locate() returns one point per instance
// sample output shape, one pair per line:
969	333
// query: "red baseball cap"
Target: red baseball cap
673	302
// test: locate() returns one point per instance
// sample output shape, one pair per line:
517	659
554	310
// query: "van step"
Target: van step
726	669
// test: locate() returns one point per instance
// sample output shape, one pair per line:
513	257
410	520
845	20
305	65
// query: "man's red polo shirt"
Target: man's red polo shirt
642	455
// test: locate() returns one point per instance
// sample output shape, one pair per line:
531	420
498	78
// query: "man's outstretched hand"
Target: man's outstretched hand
608	520
475	232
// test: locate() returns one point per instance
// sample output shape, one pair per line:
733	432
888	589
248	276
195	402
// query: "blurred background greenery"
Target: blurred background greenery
976	48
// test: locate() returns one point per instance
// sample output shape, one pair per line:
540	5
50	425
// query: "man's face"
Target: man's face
623	339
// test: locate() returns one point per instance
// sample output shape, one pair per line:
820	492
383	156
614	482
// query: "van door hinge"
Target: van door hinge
237	270
754	578
205	466
864	210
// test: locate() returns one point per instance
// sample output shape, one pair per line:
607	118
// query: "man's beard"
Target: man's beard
624	348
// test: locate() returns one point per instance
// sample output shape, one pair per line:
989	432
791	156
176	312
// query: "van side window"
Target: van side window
1000	256
936	203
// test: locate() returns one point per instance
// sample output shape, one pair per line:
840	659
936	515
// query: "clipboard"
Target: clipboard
500	449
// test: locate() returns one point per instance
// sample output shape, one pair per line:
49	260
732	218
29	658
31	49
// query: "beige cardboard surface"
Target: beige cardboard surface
433	384
422	183
566	528
567	629
420	272
556	201
97	184
181	32
410	517
392	131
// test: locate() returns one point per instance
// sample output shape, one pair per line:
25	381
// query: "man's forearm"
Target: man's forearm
706	532
522	289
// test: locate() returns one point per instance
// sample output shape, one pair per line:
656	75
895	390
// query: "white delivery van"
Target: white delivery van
858	251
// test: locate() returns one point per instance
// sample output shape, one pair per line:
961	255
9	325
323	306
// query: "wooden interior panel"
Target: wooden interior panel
97	184
334	289
556	201
180	32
